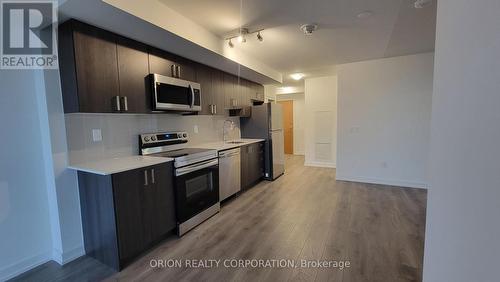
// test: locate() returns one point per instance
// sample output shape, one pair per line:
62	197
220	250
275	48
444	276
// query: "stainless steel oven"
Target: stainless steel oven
196	172
173	94
197	189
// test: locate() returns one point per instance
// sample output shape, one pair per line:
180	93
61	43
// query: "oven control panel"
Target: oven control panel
159	139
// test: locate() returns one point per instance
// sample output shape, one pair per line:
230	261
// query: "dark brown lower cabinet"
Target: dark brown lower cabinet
252	164
126	213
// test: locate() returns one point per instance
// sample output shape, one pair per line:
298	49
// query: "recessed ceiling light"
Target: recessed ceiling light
364	14
297	76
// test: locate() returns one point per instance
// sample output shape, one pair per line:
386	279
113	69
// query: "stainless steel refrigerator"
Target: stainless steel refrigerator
266	122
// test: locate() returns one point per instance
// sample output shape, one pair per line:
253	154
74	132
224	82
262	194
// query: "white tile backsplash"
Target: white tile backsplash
120	132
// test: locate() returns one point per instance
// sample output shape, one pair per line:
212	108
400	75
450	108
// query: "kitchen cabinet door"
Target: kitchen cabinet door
95	62
161	63
257	91
163	208
205	81
133	71
158	203
128	190
252	164
218	95
229	90
245	167
240	92
188	69
249	94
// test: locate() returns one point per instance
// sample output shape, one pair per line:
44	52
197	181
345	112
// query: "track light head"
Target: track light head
241	38
259	37
230	43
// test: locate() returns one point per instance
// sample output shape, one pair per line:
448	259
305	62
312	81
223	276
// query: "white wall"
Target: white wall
298	120
321	121
64	201
463	207
384	120
25	230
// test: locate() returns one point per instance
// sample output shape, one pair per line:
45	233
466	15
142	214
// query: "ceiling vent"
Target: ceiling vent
308	29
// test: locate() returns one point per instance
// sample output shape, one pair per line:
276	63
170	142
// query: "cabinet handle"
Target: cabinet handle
124	101
116	103
178	70
145	178
215	109
152	176
172	67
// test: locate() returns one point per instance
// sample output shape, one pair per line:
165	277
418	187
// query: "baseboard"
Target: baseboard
389	182
23	265
68	256
320	164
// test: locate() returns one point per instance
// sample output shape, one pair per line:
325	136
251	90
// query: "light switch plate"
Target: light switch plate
195	129
96	135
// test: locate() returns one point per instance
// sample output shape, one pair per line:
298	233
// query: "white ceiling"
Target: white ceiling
394	29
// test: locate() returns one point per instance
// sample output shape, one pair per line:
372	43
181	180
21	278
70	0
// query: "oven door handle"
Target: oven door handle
195	167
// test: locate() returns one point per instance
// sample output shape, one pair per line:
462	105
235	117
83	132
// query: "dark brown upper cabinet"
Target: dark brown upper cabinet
218	94
102	72
89	68
133	71
167	64
205	80
212	90
231	98
259	91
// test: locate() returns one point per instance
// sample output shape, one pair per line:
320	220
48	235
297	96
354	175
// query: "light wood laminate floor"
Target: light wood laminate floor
303	215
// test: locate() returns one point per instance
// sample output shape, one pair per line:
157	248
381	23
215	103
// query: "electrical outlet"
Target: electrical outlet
96	135
195	129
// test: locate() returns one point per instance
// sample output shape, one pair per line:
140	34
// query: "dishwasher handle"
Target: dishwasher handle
229	153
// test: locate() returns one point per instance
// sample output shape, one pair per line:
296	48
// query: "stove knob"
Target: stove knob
185	135
153	138
179	135
146	139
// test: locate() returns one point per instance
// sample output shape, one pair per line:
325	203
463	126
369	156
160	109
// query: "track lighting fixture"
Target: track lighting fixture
242	35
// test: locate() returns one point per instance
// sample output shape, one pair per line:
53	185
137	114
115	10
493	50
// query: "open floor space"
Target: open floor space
304	215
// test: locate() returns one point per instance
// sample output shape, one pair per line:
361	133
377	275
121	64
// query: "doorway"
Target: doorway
288	125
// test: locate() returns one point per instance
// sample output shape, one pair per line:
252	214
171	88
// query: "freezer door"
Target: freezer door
278	148
276	117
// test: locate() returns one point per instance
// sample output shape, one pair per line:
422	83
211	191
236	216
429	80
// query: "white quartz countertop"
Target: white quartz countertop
116	165
221	146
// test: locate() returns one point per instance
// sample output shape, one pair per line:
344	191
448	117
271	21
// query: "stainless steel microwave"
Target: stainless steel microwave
173	94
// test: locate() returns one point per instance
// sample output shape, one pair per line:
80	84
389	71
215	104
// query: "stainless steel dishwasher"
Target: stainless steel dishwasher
229	173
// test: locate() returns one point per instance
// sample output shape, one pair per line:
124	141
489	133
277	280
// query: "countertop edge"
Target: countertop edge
88	168
227	146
